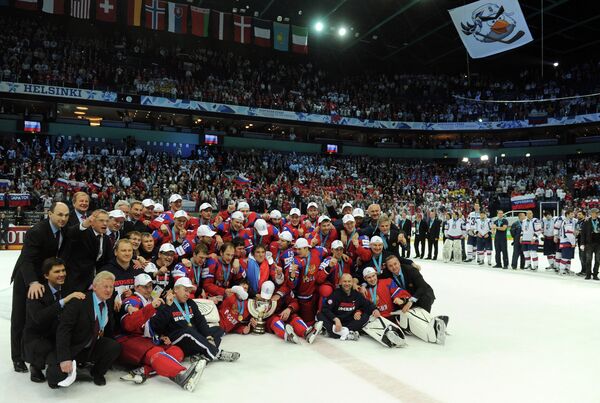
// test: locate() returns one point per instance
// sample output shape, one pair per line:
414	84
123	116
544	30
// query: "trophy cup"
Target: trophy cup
261	309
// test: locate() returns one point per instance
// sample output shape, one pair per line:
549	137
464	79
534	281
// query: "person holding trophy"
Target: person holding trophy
233	312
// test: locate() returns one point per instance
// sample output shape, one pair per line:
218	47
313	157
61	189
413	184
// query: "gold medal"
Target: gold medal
240	318
190	325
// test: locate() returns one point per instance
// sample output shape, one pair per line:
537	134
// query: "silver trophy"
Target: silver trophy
261	309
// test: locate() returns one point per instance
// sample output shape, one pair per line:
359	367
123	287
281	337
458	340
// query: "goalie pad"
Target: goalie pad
385	332
422	324
209	310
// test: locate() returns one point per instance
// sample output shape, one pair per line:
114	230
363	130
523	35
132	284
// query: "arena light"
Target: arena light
81	108
528	155
79	113
503	155
465	159
342	31
319	26
555	64
484	157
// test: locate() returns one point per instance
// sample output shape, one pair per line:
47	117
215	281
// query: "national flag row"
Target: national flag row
162	15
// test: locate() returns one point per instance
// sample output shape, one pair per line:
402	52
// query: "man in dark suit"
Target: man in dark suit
85	333
433	235
45	239
42	317
90	250
388	234
138	222
420	236
4	225
116	218
404	224
515	232
410	279
79	213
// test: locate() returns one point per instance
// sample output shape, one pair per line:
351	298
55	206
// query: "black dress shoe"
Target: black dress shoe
20	366
497	266
100	380
53	386
37	375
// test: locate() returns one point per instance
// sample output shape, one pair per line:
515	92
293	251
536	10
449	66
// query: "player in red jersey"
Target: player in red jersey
228	231
294	225
331	270
222	273
324	235
384	293
260	234
233	312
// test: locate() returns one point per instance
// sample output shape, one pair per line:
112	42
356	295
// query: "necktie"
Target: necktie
99	237
57	295
113	238
58	241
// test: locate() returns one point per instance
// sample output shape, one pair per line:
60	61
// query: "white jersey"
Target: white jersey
472	222
483	227
454	229
549	227
530	230
567	232
557	224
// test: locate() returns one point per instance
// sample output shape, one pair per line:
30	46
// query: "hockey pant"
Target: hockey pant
277	326
378	329
452	249
531	255
308	309
422	324
192	342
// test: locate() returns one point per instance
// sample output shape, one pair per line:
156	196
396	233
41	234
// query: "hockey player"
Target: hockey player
276	220
356	246
160	269
310	223
260	234
531	231
331	270
233	312
549	244
557	224
176	232
259	269
346	311
222	273
281	250
483	230
567	242
324	235
471	231
192	268
249	216
293	224
206	210
454	231
227	231
186	328
138	346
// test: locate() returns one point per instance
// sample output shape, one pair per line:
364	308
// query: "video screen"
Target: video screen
211	139
332	149
31	126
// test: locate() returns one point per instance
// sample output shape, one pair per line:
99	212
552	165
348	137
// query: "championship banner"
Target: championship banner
487	28
19	199
524	202
16	236
53	91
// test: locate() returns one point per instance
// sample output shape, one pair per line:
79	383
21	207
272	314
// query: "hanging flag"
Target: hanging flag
106	10
487	28
523	202
262	32
26	4
155	11
221	25
242	29
54	6
299	39
281	36
178	18
134	13
80	9
200	17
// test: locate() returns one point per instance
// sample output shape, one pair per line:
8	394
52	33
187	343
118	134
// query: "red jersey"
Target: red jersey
217	276
304	282
252	238
233	314
383	295
297	231
332	275
226	231
323	240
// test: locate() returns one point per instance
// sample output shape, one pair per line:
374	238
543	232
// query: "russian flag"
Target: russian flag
242	180
178	18
63	183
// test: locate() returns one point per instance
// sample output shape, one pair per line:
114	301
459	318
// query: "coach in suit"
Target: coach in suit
389	235
85	334
433	235
404	224
137	220
411	280
79	213
420	236
45	239
90	250
43	315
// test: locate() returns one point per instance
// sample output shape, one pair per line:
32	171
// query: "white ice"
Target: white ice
515	337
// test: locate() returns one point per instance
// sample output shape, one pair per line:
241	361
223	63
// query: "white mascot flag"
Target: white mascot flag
487	28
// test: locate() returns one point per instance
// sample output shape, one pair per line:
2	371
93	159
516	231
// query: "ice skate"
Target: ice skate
290	335
136	376
440	331
228	356
189	378
352	335
313	331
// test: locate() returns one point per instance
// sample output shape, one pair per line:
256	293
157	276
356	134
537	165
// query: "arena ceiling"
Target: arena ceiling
419	33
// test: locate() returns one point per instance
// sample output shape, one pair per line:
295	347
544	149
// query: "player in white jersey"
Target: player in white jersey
471	231
549	244
454	232
557	224
483	227
531	231
567	240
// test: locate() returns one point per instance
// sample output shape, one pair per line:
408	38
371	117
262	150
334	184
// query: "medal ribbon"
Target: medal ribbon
101	316
185	313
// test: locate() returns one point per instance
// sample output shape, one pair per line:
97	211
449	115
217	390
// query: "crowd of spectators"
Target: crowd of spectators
282	180
40	50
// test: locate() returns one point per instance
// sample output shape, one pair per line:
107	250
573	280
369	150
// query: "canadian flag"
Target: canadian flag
26	4
242	29
54	6
106	10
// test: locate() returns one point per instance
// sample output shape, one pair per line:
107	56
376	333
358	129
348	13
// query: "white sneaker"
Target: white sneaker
353	335
136	376
290	335
313	331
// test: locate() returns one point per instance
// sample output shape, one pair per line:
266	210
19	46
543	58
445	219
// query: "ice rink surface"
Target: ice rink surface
514	337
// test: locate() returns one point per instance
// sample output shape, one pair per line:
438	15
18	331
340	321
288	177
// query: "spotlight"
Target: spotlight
480	120
79	113
484	157
319	26
342	31
555	64
503	155
465	159
81	108
528	155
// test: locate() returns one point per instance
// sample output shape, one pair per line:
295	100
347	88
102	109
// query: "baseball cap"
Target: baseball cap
594	210
184	282
323	218
346	205
276	214
180	214
267	289
348	218
237	215
159	208
174	198
295	211
240	292
242	205
358	212
205	206
286	236
116	214
147	202
150	268
142	279
301	243
166	247
260	226
368	270
204	230
337	244
376	239
312	204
